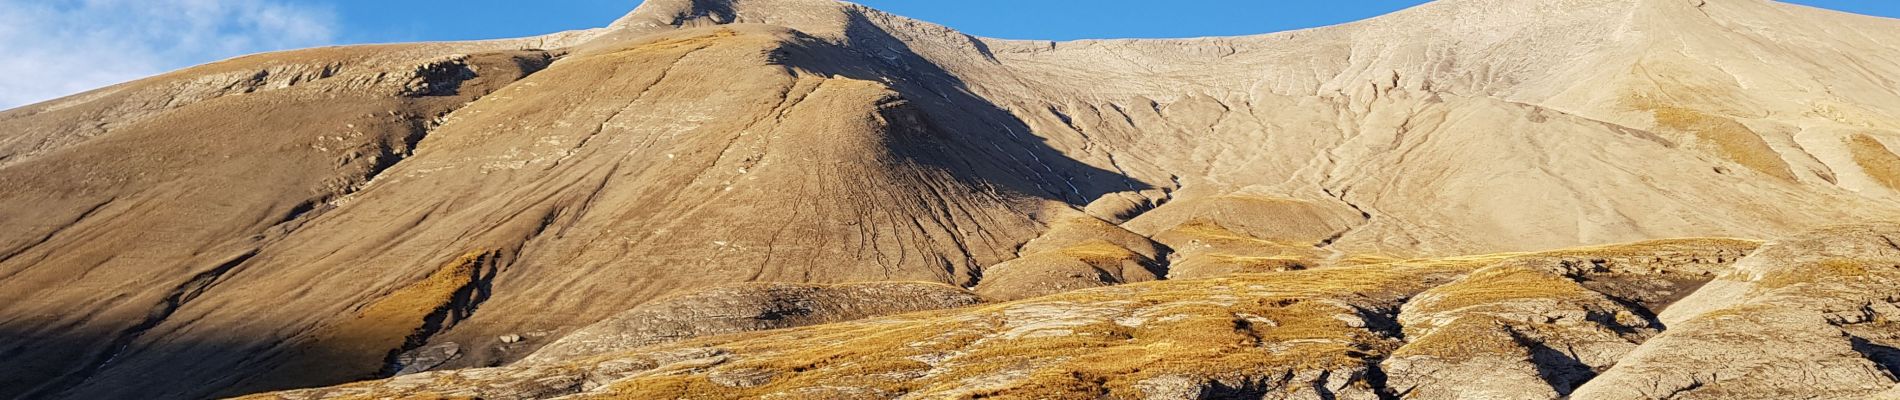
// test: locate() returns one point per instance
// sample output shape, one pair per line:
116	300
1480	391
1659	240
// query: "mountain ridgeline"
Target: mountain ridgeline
1501	199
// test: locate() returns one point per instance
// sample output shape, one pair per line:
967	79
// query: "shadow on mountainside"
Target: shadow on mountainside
974	139
35	379
945	126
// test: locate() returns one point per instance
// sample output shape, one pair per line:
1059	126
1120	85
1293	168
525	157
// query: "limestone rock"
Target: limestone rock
1438	328
1510	331
1802	317
301	218
1119	207
427	358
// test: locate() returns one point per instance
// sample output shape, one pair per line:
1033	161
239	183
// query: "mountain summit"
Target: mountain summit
815	199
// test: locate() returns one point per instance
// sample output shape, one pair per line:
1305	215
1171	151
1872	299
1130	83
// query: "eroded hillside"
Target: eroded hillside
622	211
1798	318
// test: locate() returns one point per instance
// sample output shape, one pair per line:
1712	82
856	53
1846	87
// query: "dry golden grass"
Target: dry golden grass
1876	160
1255	216
1721	135
1102	343
419	396
1466	337
1246	264
1099	251
1460	264
357	348
1216	238
426	296
1502	284
1811	273
683	44
1080	229
1186	335
1206	228
1276	322
1654	247
1093	263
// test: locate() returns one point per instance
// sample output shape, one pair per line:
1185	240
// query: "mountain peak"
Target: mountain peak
1363	210
679	13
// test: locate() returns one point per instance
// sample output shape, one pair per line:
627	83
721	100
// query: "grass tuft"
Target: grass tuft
1719	135
1836	268
1878	161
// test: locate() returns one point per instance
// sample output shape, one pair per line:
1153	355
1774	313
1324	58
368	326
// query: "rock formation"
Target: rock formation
809	198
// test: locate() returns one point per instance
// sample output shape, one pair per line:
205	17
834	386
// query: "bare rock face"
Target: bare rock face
1505	326
1259	336
1496	326
1806	316
554	178
1510	331
1356	211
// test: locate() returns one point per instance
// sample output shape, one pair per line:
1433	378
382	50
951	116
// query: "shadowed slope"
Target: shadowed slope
628	169
1529	124
216	225
157	209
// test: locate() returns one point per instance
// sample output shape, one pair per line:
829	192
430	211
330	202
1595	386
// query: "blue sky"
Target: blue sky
61	47
375	21
1015	19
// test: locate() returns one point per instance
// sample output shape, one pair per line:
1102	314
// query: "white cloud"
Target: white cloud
54	48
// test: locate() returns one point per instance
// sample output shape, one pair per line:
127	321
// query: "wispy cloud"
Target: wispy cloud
60	47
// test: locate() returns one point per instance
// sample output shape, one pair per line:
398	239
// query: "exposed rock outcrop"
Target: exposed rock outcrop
267	222
1510	331
1805	316
1494	326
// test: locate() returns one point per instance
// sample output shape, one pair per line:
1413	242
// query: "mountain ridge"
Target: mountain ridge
248	216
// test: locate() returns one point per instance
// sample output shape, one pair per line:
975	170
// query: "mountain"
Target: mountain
811	198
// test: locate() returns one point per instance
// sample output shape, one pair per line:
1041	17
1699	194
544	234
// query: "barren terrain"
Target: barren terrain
1501	199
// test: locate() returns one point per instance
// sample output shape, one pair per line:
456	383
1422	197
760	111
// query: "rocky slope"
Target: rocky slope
558	207
1805	317
1525	325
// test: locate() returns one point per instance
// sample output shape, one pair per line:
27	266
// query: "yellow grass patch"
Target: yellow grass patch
1663	246
1274	322
357	348
1501	284
1811	273
1245	264
1097	251
1719	135
1876	160
1211	234
1465	337
1105	342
